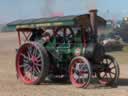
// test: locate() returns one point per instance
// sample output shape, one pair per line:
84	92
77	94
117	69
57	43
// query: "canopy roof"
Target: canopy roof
80	20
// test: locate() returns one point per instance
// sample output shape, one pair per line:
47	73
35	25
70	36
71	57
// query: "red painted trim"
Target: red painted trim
26	35
26	32
19	38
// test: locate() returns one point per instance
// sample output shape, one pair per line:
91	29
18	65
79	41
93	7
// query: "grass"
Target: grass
121	56
125	49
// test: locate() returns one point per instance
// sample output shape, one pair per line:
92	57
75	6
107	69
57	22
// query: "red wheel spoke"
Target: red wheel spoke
36	64
24	65
38	69
34	52
36	72
113	73
104	75
110	75
112	67
25	57
30	49
25	61
30	69
38	59
29	55
32	74
107	75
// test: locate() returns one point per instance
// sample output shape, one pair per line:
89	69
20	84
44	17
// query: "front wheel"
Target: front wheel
109	74
80	72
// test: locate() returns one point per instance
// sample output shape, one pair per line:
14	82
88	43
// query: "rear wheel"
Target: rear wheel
109	75
80	72
31	64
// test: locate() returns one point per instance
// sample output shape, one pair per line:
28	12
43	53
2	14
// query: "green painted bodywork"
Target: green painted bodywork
64	52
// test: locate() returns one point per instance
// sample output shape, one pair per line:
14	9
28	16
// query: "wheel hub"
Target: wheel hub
34	59
106	68
80	70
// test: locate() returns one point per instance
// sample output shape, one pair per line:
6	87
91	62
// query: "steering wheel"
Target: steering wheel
64	35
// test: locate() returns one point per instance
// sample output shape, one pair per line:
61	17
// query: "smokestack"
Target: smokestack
93	15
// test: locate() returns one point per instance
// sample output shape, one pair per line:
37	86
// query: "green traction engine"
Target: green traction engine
63	49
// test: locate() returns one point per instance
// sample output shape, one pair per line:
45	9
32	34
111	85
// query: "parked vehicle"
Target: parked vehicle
112	43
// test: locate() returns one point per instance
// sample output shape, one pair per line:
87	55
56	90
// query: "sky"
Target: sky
23	9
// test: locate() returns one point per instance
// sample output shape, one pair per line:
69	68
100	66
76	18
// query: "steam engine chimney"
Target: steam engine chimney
93	15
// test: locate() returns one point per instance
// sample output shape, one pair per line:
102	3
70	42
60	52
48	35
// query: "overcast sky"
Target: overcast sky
21	9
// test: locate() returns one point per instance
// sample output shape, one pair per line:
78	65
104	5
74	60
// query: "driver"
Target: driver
68	36
47	35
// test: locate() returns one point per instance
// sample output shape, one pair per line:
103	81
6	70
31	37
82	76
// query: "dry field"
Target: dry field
10	86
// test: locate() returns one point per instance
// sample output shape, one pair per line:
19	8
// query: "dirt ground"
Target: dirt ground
10	86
